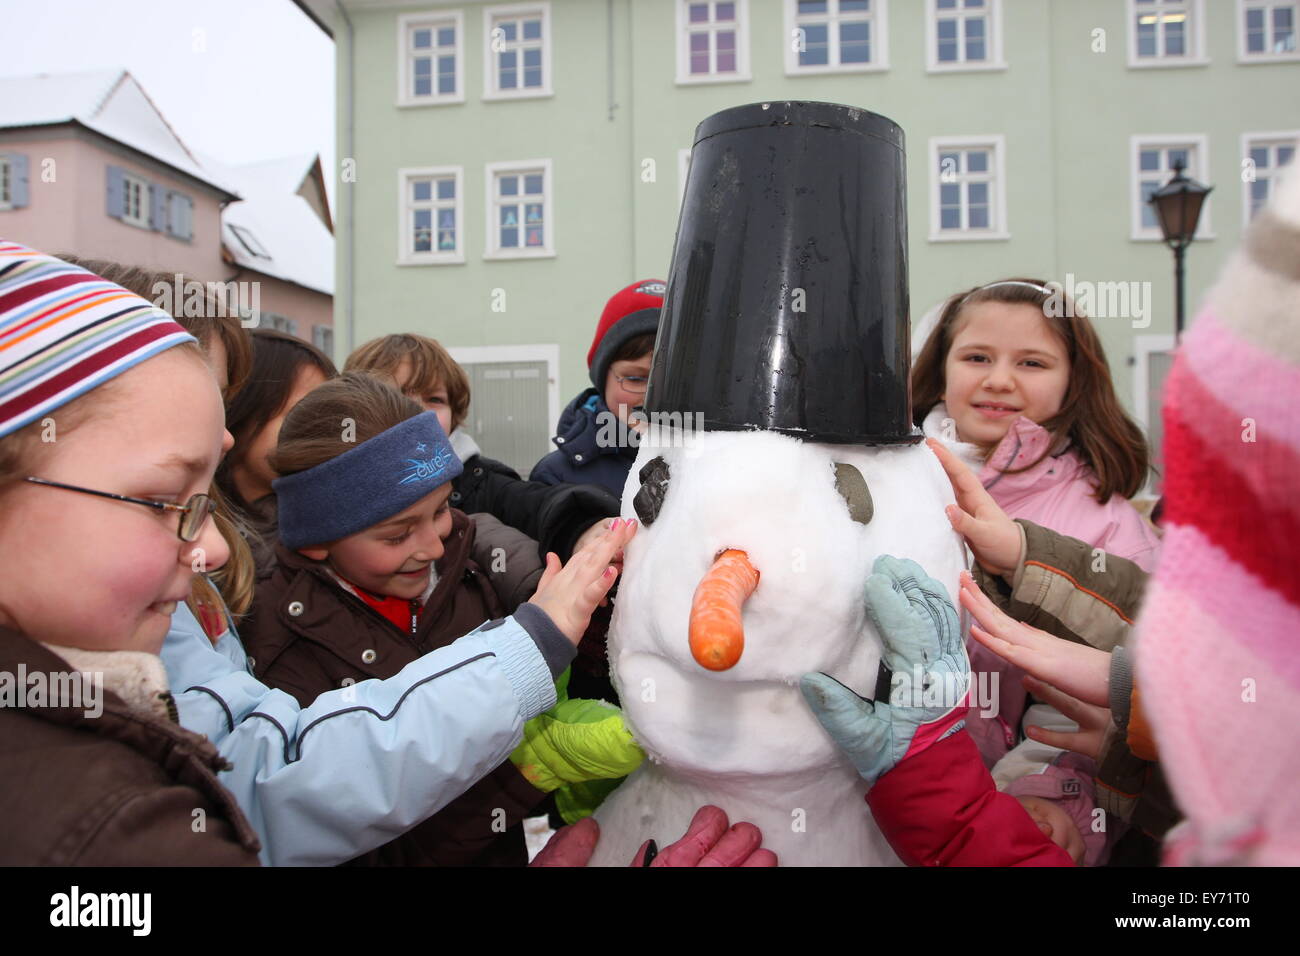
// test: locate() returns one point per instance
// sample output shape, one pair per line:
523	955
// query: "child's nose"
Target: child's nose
1000	377
431	548
209	550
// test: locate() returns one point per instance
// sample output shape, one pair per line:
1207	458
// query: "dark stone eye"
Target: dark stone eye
853	489
654	486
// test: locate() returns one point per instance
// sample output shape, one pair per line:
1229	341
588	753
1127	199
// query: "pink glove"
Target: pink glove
708	842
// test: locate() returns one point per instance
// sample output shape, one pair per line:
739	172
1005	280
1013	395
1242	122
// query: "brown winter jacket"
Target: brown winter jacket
306	635
123	788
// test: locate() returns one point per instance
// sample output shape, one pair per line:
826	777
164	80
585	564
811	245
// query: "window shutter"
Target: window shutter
17	180
157	208
186	206
116	192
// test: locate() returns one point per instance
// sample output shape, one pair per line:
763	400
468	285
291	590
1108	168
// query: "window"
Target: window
517	62
249	242
135	201
521	213
430	65
1266	31
280	323
1166	33
712	41
13	181
1263	155
966	193
964	35
431	211
322	336
1154	158
835	36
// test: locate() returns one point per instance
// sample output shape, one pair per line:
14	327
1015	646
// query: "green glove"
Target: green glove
922	639
573	742
577	801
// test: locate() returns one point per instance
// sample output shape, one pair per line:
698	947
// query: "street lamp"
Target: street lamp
1177	206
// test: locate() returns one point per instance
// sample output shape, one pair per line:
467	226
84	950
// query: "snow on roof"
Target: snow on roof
110	102
273	230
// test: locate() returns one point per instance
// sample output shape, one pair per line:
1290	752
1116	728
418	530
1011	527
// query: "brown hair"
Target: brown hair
234	581
336	417
636	347
277	360
431	366
1091	416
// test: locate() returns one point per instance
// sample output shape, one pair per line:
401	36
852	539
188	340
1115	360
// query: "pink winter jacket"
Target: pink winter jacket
1056	493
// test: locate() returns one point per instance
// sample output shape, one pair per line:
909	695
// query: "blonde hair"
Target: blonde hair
431	365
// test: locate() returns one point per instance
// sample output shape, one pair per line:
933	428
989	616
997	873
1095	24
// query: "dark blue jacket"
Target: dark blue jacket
578	457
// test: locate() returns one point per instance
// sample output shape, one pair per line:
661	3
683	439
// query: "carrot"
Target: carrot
716	630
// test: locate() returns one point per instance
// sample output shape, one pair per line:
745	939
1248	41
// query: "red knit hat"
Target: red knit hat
630	312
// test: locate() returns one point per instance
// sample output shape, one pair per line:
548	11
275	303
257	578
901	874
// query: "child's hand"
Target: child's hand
1056	825
993	537
568	593
1092	721
1077	669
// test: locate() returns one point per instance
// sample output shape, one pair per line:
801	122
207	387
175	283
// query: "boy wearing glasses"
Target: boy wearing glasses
595	441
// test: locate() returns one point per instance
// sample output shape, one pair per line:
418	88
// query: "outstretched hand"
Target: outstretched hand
992	536
1077	669
568	593
709	841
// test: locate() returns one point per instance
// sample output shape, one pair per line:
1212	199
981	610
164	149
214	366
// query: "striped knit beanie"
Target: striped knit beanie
1218	645
64	331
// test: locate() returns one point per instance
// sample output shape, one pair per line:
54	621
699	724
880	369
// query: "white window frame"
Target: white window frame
1195	55
6	183
432	21
1199	145
406	256
1143	348
1243	56
998	201
547	251
130	179
548	353
684	75
512	11
1253	140
878	17
993	41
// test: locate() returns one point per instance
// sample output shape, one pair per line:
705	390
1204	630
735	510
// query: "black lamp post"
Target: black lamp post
1178	209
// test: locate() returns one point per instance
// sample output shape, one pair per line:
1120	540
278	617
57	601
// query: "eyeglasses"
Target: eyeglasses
635	384
194	513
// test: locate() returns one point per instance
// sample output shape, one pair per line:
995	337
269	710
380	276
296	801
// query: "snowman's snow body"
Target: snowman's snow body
744	739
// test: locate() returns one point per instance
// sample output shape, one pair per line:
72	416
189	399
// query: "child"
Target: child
284	369
373	570
111	426
1014	379
560	519
590	436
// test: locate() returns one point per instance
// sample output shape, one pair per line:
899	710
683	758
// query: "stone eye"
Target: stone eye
654	486
853	489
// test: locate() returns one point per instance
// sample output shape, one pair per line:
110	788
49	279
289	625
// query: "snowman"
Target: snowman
785	332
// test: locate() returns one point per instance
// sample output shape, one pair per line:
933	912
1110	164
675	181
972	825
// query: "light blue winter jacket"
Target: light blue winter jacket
361	765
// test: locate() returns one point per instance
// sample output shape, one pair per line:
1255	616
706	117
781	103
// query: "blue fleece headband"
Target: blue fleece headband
363	486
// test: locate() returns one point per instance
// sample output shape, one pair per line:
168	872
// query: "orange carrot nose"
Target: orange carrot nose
717	631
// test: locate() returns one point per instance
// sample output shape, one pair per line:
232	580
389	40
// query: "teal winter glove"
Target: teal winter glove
930	673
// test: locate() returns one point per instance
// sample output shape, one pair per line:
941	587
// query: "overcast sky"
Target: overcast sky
242	80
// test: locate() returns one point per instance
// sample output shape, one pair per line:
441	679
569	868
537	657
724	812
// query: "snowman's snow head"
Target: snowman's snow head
810	519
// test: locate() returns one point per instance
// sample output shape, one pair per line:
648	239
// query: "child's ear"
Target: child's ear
316	554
